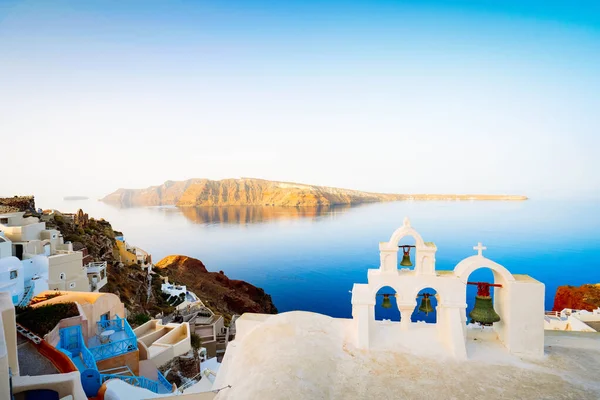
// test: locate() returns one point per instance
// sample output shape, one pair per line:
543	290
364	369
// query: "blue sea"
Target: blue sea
309	258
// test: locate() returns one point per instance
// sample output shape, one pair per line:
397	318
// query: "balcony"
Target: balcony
84	358
96	267
96	272
113	338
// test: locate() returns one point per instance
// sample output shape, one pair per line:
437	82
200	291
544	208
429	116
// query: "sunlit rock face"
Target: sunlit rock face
225	296
260	192
585	297
166	194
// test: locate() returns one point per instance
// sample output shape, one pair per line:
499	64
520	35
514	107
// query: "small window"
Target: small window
71	285
4	221
14	274
62	276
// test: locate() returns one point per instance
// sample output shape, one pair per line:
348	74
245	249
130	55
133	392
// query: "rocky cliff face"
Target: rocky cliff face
215	289
16	204
585	297
166	194
260	192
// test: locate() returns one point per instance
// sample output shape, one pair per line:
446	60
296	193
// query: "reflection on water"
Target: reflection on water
256	214
309	258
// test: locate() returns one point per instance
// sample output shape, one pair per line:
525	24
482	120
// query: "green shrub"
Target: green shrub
196	341
139	319
43	319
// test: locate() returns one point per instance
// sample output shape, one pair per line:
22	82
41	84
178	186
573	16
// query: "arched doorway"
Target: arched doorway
385	305
425	310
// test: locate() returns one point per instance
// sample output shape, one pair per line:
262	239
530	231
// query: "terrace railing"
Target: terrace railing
72	344
116	347
138	381
113	349
95	267
88	358
163	381
117	324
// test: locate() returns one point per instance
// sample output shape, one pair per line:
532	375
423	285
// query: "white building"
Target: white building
180	292
573	320
22	278
47	261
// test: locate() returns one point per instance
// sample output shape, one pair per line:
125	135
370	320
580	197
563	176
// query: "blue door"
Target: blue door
70	339
104	318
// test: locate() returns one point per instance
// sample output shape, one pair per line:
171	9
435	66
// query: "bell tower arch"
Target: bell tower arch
424	252
519	303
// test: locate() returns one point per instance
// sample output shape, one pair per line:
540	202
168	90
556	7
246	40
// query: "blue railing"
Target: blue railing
28	295
113	349
117	347
138	381
73	345
163	381
64	352
88	358
116	324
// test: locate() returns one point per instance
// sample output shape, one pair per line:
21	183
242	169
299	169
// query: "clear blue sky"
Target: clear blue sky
388	96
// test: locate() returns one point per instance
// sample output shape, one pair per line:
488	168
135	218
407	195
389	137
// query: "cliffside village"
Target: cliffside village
45	280
60	336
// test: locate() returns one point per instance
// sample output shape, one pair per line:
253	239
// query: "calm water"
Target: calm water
308	259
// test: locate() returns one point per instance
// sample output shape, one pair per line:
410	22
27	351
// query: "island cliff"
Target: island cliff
223	295
585	297
260	192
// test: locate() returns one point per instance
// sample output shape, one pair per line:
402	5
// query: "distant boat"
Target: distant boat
75	198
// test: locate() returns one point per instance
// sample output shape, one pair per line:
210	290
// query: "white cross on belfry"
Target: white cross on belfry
480	248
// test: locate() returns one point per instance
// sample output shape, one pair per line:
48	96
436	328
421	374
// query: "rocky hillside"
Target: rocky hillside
140	295
248	191
16	204
585	297
97	236
223	295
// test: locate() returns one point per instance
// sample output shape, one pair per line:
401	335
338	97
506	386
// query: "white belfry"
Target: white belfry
519	303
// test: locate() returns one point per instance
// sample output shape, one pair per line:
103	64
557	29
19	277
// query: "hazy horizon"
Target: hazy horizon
379	96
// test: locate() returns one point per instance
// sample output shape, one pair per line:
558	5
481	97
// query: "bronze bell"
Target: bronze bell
386	301
484	312
426	304
406	257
